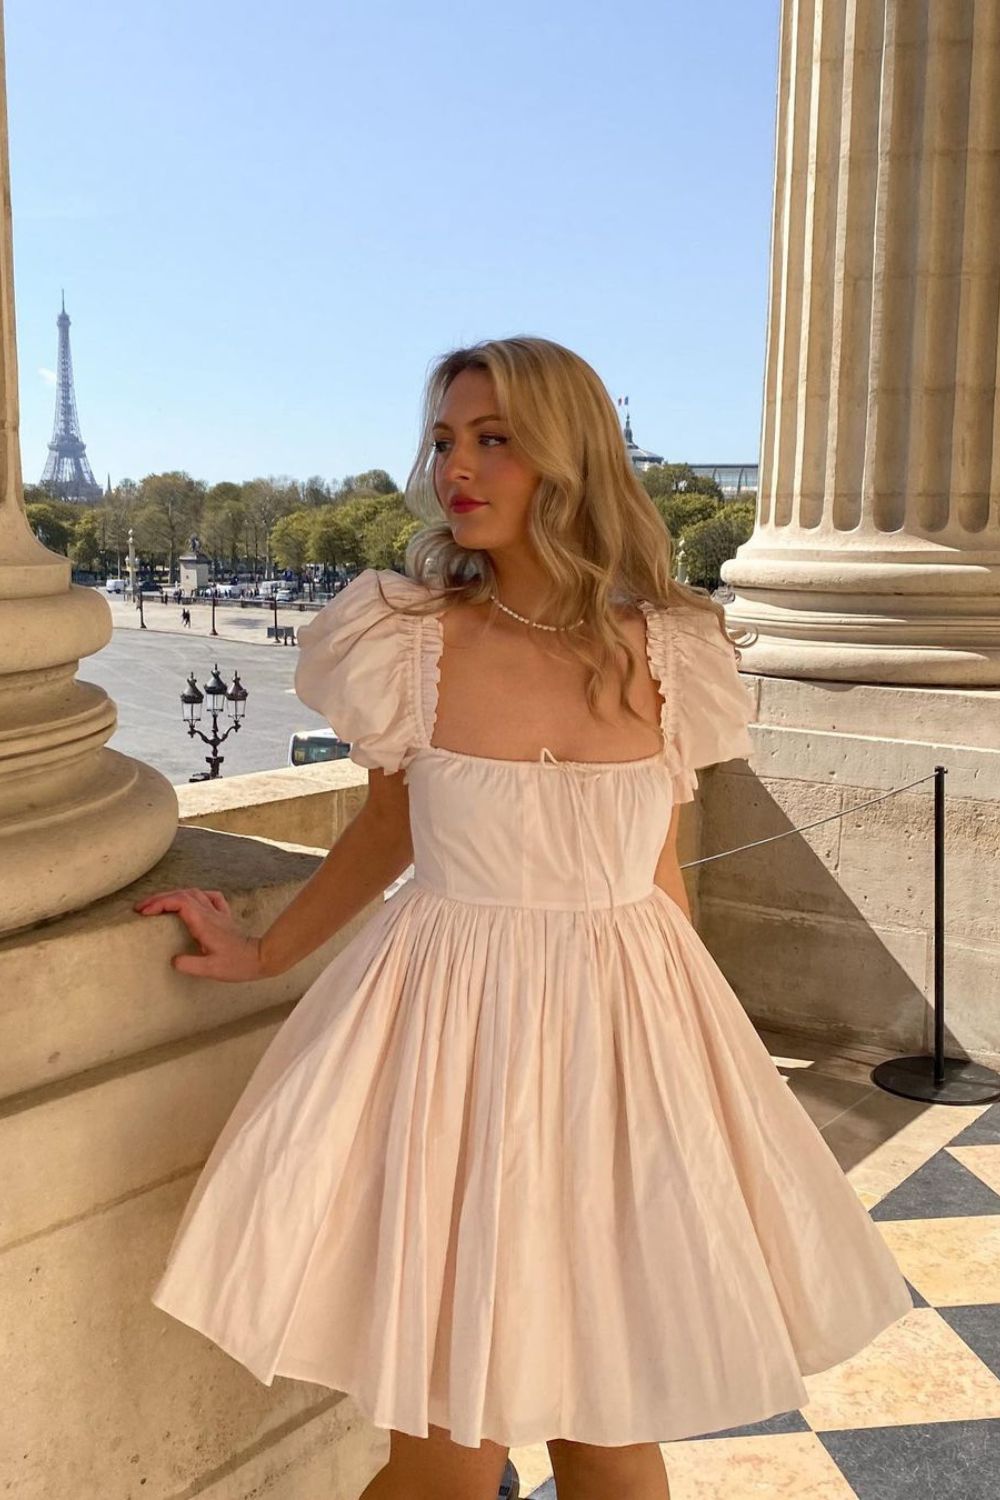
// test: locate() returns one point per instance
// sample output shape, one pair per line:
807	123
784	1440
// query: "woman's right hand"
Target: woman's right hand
225	953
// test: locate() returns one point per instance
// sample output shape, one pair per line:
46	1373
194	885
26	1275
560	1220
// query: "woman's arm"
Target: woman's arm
372	851
668	874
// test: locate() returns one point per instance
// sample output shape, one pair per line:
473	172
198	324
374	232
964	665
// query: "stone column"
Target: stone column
77	821
876	551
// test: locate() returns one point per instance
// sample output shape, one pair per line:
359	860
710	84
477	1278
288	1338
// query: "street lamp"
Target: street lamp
274	601
219	696
136	594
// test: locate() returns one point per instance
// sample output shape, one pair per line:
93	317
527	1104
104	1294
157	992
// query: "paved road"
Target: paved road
145	673
231	622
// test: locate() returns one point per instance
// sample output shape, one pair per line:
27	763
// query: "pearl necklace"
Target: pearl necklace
534	623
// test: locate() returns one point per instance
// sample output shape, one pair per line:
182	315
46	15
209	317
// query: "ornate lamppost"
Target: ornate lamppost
234	698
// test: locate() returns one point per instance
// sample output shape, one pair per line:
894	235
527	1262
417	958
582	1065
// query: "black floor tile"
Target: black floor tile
918	1299
941	1189
922	1461
788	1421
979	1326
982	1132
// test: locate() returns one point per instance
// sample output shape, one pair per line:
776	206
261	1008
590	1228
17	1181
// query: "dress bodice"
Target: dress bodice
545	833
526	833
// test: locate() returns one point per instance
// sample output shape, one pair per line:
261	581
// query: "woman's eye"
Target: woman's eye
439	444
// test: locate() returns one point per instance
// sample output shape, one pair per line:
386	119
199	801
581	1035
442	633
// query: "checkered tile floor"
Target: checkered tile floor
916	1415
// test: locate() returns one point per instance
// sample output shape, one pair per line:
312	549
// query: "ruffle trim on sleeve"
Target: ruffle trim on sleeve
355	667
662	651
707	708
427	647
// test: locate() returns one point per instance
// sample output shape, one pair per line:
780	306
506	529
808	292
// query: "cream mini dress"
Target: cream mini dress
517	1164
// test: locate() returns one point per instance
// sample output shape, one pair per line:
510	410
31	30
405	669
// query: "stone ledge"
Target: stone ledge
86	989
309	805
967	716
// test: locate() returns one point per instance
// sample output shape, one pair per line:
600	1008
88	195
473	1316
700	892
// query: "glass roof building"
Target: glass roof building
732	479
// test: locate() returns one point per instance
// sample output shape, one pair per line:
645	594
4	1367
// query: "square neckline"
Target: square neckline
429	721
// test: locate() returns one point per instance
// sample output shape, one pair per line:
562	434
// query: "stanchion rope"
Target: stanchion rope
828	819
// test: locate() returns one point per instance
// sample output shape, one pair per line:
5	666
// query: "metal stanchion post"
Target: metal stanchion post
934	1078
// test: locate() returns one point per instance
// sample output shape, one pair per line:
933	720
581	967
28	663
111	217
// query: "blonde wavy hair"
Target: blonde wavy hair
598	534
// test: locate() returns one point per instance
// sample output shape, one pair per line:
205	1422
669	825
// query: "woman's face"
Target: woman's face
476	458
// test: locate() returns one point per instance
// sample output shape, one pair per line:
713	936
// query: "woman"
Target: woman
518	1167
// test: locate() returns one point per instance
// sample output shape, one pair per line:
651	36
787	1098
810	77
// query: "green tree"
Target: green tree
47	524
222	523
169	505
88	546
385	530
334	542
681	511
371	482
376	482
315	491
709	543
670	479
119	509
291	540
264	500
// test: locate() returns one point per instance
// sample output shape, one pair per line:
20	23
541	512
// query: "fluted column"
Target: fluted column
876	551
77	820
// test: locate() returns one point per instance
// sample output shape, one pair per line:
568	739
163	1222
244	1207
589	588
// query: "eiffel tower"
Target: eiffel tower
67	474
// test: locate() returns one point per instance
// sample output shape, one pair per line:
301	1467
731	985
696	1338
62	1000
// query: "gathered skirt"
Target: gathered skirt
529	1174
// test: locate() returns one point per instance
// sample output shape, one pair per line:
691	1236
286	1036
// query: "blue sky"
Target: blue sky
270	219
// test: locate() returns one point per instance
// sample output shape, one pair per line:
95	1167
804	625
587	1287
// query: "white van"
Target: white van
114	586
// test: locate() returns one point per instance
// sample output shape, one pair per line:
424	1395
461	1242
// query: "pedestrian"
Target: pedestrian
518	1167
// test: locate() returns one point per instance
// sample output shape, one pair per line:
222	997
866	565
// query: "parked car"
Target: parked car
115	586
307	747
284	596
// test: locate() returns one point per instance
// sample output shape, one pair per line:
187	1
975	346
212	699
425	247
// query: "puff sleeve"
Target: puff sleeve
707	706
355	668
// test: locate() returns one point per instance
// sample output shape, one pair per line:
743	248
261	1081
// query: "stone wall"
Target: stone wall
830	931
116	1074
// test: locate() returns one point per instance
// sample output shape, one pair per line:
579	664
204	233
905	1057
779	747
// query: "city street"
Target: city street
145	673
247	624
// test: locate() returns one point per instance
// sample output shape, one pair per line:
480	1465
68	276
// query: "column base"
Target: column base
866	622
77	820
